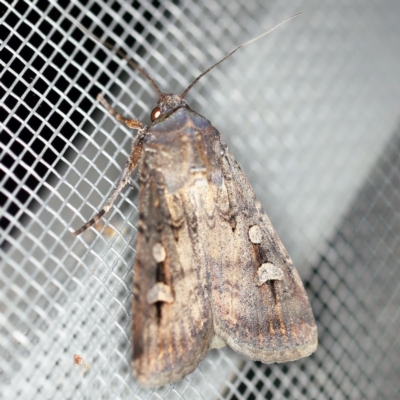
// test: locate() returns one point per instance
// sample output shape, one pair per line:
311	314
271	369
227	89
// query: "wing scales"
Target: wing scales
272	322
225	268
169	339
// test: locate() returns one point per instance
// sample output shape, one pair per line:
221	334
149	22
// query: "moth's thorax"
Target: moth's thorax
185	147
169	102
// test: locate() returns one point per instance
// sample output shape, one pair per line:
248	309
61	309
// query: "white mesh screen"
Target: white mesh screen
311	112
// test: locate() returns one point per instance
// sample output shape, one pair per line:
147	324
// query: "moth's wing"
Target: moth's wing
259	303
172	323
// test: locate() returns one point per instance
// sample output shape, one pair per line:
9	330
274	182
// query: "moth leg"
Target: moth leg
131	164
129	122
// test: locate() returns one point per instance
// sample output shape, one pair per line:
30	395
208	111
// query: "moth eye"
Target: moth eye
155	113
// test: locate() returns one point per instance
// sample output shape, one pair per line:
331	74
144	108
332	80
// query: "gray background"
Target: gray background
311	112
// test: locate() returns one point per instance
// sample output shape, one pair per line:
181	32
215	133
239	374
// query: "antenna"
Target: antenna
234	51
119	52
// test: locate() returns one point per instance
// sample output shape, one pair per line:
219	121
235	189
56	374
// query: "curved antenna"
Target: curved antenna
235	50
118	52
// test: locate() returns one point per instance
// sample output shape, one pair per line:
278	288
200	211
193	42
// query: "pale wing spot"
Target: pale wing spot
199	170
159	252
217	342
269	272
201	182
255	234
160	292
199	176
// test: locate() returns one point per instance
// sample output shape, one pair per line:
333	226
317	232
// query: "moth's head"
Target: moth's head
169	102
166	103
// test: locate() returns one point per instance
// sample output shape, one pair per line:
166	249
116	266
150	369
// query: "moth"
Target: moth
210	268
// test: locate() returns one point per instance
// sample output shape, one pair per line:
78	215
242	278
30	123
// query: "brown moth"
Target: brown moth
210	268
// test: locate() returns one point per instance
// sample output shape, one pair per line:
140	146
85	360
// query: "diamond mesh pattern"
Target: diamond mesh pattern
311	113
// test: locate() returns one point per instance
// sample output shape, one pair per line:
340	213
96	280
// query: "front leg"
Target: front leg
131	123
131	164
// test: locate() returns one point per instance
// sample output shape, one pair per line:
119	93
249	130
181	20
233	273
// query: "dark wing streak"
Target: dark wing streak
169	242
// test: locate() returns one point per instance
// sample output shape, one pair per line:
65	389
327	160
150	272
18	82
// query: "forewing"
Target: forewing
172	324
259	303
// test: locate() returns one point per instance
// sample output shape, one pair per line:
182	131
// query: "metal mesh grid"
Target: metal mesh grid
310	112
